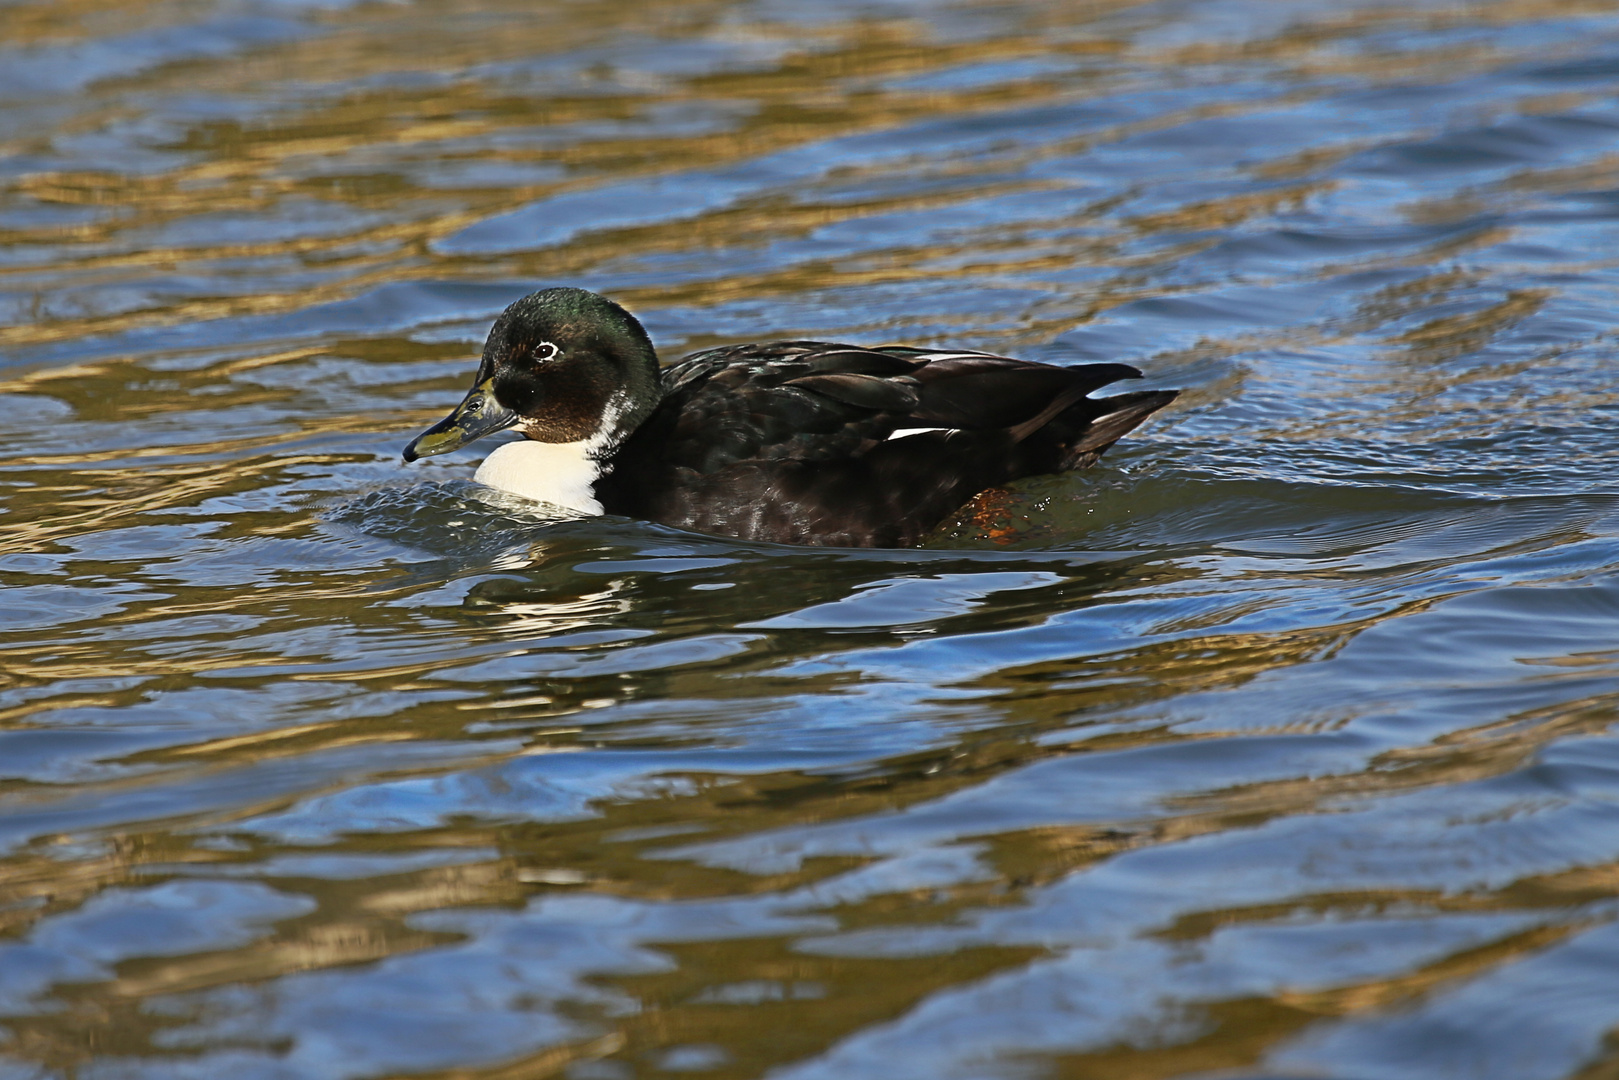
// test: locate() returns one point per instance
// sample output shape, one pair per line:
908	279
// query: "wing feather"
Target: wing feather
823	401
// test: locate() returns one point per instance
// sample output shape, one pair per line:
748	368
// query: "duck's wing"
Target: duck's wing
785	400
975	391
821	401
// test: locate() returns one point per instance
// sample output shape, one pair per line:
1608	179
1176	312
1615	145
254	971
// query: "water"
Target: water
1277	746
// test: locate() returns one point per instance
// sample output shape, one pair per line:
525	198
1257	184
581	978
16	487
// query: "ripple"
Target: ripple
1278	743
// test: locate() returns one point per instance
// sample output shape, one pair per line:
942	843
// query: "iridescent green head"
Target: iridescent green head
561	365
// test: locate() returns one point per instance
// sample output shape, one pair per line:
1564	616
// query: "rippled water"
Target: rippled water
1276	746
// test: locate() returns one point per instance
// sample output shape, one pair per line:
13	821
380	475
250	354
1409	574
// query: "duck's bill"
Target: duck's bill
477	416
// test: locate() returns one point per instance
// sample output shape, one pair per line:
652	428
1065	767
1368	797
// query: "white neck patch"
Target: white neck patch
561	474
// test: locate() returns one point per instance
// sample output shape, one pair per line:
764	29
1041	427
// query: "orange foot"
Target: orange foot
990	512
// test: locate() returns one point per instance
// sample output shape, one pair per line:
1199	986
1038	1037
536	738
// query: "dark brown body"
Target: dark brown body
789	442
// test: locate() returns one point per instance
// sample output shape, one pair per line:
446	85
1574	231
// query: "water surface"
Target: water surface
1276	746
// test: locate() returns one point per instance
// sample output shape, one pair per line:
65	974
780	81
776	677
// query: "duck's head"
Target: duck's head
561	366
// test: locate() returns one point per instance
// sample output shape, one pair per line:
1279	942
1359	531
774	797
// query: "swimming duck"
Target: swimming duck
798	442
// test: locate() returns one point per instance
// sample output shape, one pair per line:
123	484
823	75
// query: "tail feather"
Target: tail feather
1091	425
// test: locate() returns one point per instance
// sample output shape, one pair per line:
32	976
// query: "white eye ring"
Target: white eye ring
545	351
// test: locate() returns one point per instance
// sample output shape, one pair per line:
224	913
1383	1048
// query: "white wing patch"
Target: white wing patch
930	357
903	432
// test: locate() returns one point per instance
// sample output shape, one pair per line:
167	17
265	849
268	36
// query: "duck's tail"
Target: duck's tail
1083	431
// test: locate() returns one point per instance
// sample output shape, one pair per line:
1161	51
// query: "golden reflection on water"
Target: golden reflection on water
361	921
391	132
831	86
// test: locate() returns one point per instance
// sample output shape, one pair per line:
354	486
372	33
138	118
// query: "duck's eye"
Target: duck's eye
545	351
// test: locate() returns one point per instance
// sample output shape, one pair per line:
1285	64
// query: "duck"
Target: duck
792	442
